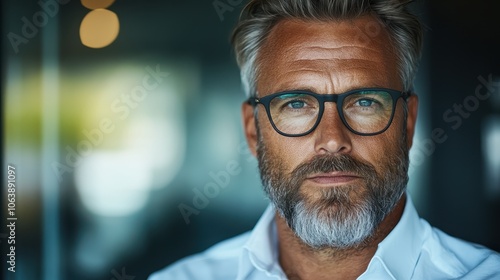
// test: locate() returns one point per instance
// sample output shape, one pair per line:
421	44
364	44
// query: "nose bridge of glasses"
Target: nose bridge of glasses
330	114
328	97
334	99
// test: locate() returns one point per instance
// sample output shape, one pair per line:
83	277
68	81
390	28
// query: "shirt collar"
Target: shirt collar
261	249
399	251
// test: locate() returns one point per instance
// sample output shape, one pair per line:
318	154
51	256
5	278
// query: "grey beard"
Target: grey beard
335	220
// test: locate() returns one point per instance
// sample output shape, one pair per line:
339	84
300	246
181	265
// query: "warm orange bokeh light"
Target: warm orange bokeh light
99	28
97	4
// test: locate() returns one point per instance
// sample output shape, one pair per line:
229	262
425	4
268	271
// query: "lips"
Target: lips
333	178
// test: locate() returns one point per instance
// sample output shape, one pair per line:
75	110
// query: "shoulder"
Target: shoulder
453	258
218	262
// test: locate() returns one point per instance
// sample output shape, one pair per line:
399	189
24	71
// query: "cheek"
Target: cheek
378	149
288	151
372	149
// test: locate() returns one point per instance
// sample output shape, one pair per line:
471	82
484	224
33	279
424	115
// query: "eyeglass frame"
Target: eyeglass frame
337	99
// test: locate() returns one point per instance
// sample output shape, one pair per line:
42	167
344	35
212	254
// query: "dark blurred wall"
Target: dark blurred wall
464	45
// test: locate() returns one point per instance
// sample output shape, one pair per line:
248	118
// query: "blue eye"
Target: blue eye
296	104
365	102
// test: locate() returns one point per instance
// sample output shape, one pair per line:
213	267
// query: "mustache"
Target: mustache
329	163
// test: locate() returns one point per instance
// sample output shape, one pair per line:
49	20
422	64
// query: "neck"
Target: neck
299	261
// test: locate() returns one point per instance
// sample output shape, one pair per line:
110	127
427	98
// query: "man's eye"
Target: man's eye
296	104
365	102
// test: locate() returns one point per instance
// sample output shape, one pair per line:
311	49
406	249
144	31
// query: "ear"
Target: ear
247	114
411	121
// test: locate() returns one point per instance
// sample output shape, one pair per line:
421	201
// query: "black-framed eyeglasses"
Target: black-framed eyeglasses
366	111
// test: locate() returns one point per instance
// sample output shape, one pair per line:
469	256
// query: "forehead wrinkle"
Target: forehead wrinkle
328	58
341	52
332	64
336	67
301	74
298	79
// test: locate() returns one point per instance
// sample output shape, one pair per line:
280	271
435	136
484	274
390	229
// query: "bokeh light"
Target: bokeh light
97	4
99	28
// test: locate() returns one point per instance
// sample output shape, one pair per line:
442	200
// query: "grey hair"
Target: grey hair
260	16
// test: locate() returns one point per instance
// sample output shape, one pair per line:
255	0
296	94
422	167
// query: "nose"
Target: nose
331	135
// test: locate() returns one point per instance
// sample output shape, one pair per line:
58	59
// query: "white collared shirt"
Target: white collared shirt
413	250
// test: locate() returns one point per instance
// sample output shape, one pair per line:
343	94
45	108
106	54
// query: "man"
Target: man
331	117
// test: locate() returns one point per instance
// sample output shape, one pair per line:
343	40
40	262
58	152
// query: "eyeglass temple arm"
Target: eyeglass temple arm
252	101
407	94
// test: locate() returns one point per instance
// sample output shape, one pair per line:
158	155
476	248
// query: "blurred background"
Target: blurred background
122	119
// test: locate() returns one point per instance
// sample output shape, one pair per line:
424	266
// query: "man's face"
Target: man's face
333	187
